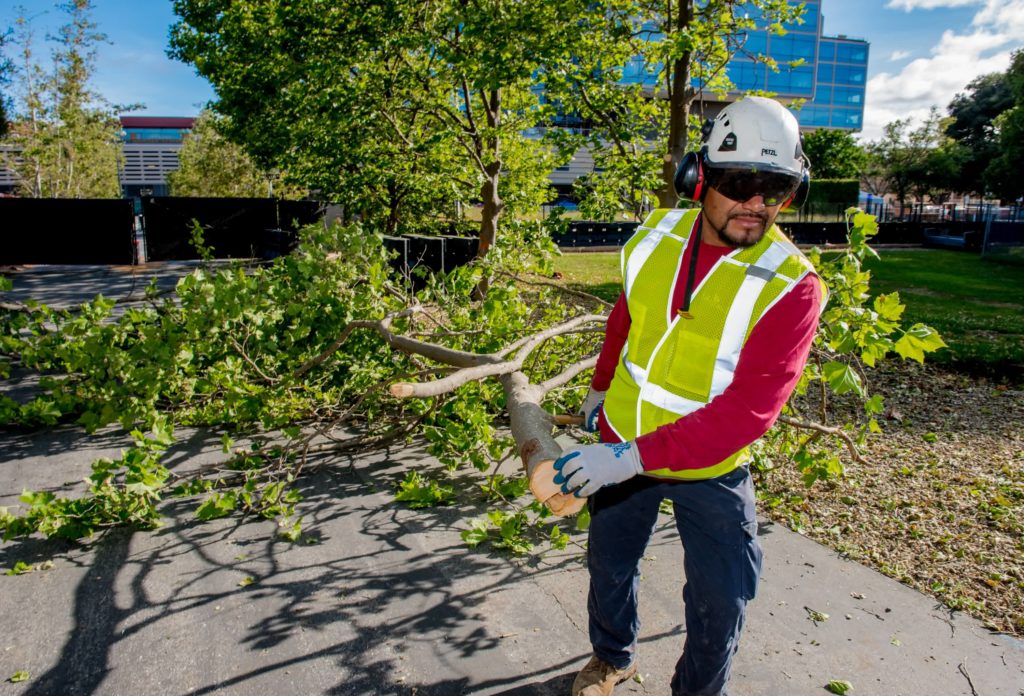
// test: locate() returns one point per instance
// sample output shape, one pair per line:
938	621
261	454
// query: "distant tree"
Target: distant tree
889	168
213	166
638	71
1003	174
973	126
399	109
834	154
907	161
64	141
6	68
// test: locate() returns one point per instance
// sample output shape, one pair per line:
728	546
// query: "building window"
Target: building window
849	75
823	94
851	53
756	43
796	81
825	72
846	118
827	51
847	95
814	116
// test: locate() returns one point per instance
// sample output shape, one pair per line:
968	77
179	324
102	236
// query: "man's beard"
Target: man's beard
741	242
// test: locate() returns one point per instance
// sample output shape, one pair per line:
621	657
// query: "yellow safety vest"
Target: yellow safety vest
672	366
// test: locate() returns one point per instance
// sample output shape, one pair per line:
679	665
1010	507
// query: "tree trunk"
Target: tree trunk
391	226
490	194
493	207
680	98
531	429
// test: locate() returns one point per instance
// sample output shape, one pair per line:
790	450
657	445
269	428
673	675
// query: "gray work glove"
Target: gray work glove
591	408
582	470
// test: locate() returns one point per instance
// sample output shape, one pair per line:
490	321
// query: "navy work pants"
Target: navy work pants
722	562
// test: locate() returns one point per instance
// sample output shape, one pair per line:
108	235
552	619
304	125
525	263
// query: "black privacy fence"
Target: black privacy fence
232	228
72	231
123	231
415	255
58	231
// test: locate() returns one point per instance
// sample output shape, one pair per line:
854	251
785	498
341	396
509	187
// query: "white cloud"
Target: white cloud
984	47
1007	15
899	55
910	5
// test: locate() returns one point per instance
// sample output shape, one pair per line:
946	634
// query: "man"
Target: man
702	349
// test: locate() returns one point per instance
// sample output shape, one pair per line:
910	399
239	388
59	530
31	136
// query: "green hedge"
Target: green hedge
828	195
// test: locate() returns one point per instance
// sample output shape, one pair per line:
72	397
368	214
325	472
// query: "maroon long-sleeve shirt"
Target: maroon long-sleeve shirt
769	367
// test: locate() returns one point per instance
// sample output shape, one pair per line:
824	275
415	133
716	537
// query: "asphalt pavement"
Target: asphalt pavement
382	599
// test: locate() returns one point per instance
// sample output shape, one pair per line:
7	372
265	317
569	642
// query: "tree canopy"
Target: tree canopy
405	110
212	166
834	154
64	140
400	110
636	73
1003	174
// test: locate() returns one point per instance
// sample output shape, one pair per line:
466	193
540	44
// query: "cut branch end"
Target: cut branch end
402	390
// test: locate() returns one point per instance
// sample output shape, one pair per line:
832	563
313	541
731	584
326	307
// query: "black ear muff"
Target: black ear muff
799	196
689	181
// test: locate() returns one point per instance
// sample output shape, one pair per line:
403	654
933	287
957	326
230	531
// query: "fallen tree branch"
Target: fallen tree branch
18	307
560	329
568	373
249	361
491	365
828	430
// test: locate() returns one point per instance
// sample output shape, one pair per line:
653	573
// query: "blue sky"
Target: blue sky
922	51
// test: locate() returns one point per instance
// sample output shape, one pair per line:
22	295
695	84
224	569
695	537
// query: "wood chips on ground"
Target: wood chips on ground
939	504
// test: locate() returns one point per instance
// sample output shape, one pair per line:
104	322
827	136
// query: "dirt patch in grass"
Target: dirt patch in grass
939	505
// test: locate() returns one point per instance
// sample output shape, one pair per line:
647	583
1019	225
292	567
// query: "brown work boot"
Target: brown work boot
598	678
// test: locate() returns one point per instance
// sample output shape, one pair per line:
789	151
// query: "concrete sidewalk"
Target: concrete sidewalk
390	601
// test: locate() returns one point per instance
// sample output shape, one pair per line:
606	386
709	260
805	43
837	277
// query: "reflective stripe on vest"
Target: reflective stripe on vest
671	366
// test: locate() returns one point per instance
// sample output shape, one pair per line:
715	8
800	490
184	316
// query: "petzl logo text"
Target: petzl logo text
768	151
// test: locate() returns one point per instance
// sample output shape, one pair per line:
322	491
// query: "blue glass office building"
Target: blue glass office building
831	78
828	72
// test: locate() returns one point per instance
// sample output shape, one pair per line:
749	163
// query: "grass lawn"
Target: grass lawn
977	306
594	272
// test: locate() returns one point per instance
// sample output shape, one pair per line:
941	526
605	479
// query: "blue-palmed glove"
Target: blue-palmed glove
591	408
584	469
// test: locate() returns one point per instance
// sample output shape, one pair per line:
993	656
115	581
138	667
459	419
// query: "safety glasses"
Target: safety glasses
743	184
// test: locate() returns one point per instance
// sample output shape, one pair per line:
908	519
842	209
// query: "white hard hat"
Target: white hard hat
755	132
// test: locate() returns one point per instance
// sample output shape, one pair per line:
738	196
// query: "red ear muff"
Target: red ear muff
689	181
799	196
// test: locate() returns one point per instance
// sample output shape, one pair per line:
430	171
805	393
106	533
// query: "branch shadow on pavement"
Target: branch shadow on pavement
388	600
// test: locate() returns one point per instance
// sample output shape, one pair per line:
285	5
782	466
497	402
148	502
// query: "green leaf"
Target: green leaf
815	615
842	378
19	676
420	492
917	341
291	533
889	306
477	532
840	687
583	520
557	538
217	505
20	568
246	581
874	405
